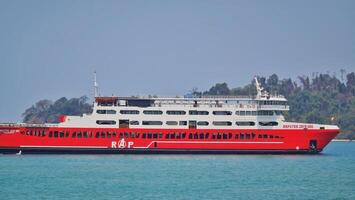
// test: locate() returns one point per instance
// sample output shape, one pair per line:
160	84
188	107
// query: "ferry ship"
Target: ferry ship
205	124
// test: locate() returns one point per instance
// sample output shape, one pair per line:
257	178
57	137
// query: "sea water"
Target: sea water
329	175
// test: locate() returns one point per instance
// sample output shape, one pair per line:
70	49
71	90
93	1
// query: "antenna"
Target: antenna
96	86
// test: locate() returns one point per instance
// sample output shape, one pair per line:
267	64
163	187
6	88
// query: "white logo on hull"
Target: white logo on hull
121	144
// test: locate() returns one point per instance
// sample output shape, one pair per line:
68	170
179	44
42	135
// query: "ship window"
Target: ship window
160	135
55	133
242	113
172	135
265	112
260	136
167	136
277	137
110	112
67	134
195	136
43	134
80	135
101	111
105	122
97	135
222	123
198	112
230	135
153	112
268	123
247	136
222	112
214	136
278	112
103	134
152	123
125	134
253	113
207	135
175	112
155	135
182	123
86	134
202	123
106	112
265	136
219	136
271	136
248	113
224	135
172	123
134	122
252	135
49	135
241	123
190	135
129	112
105	103
144	135
137	135
242	136
237	136
61	134
183	135
73	135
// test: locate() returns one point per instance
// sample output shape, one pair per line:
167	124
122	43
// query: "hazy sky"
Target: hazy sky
49	49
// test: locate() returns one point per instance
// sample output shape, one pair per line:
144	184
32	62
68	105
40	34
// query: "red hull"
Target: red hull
93	140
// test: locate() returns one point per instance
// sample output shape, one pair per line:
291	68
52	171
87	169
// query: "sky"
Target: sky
50	49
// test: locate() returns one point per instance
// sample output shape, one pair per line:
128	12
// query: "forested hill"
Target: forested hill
319	99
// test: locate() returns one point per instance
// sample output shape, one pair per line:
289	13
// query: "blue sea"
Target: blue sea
329	175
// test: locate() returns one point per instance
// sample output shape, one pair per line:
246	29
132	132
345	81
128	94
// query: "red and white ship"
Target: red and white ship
172	125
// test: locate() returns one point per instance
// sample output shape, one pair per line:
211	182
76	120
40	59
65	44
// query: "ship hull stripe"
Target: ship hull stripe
30	150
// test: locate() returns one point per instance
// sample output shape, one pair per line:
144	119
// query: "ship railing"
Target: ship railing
273	107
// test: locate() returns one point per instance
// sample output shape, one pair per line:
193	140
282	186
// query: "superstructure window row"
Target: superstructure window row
150	135
199	123
176	112
193	112
254	113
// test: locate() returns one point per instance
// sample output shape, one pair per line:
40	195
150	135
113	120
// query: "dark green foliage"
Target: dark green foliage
45	111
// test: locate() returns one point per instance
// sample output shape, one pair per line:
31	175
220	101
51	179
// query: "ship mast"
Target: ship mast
96	86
